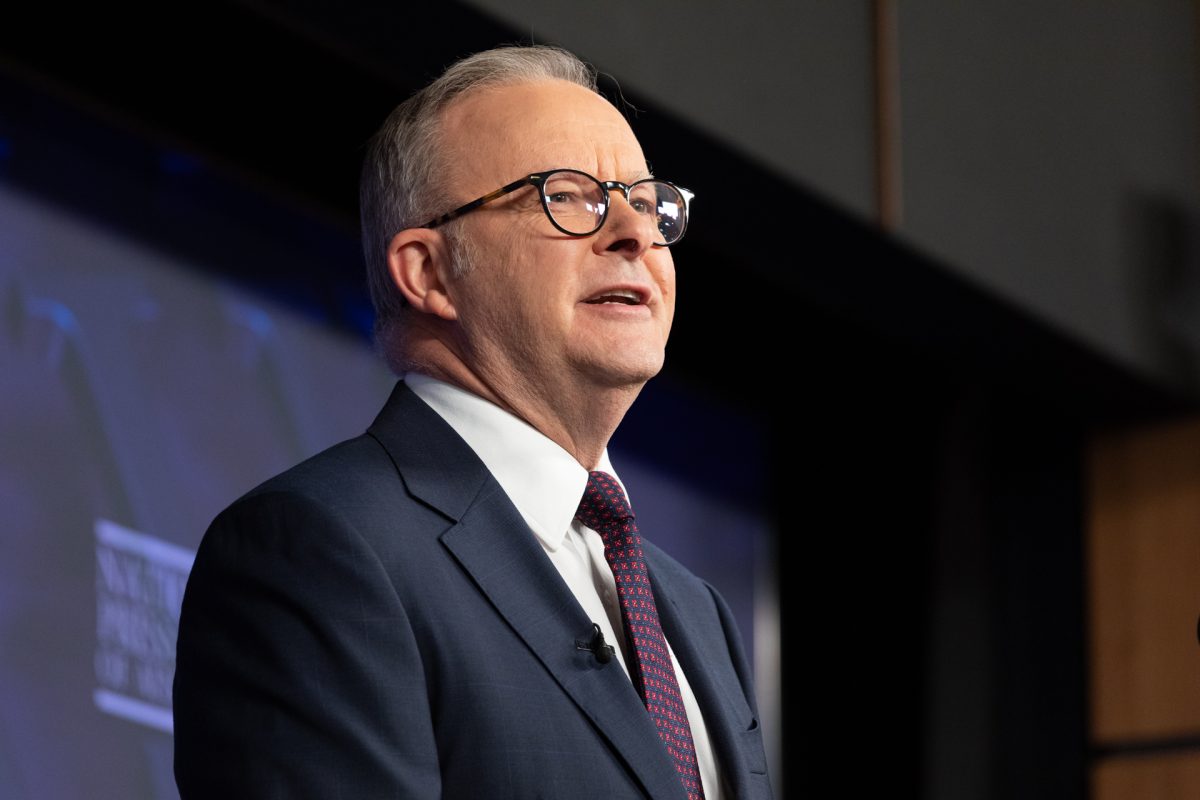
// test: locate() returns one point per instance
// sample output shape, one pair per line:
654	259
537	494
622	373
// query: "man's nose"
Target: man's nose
625	230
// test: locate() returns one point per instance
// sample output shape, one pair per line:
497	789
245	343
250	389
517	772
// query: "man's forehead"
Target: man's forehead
524	97
535	126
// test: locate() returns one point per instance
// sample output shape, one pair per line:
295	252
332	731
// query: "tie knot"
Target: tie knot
604	503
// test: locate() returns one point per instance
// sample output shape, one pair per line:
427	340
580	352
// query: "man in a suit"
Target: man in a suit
459	603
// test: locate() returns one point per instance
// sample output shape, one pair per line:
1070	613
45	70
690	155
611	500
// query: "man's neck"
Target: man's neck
582	425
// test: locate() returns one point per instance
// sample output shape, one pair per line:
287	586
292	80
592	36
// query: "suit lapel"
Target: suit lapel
726	714
494	545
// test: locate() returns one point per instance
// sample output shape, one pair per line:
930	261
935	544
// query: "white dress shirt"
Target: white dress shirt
546	483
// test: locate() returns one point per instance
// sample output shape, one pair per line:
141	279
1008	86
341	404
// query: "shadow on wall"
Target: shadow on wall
1162	256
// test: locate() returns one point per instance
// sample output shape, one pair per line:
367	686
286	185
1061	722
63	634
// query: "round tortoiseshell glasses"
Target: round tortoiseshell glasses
577	203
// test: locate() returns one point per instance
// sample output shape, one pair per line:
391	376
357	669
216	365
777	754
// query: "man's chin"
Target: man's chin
626	373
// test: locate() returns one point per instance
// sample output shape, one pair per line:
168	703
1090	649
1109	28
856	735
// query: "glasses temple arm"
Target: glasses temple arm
477	202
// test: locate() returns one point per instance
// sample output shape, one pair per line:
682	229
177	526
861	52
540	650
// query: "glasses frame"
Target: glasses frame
538	179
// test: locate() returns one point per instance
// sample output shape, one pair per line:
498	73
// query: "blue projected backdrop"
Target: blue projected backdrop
138	399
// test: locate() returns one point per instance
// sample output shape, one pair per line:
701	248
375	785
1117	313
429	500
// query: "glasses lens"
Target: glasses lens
576	202
663	205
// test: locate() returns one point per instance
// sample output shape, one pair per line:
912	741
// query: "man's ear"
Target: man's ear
418	261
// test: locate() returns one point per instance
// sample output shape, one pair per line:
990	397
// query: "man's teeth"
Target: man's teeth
618	296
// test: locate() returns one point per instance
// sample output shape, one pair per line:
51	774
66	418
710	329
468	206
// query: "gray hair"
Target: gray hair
398	189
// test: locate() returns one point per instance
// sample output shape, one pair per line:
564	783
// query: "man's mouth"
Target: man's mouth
626	297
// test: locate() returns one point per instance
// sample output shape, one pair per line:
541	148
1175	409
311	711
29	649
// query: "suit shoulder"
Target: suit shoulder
334	489
698	589
351	493
338	475
664	564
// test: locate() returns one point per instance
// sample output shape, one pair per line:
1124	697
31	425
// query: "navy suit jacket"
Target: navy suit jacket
379	622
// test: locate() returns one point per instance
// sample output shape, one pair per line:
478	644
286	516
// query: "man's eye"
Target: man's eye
564	196
642	206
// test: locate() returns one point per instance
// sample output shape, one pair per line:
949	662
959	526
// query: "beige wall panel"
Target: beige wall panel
1164	777
1144	584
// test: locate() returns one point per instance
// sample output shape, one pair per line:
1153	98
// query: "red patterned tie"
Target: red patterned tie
605	510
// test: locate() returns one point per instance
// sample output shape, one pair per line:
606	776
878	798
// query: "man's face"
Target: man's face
533	311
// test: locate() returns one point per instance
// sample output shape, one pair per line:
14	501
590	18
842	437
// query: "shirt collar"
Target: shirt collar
543	480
